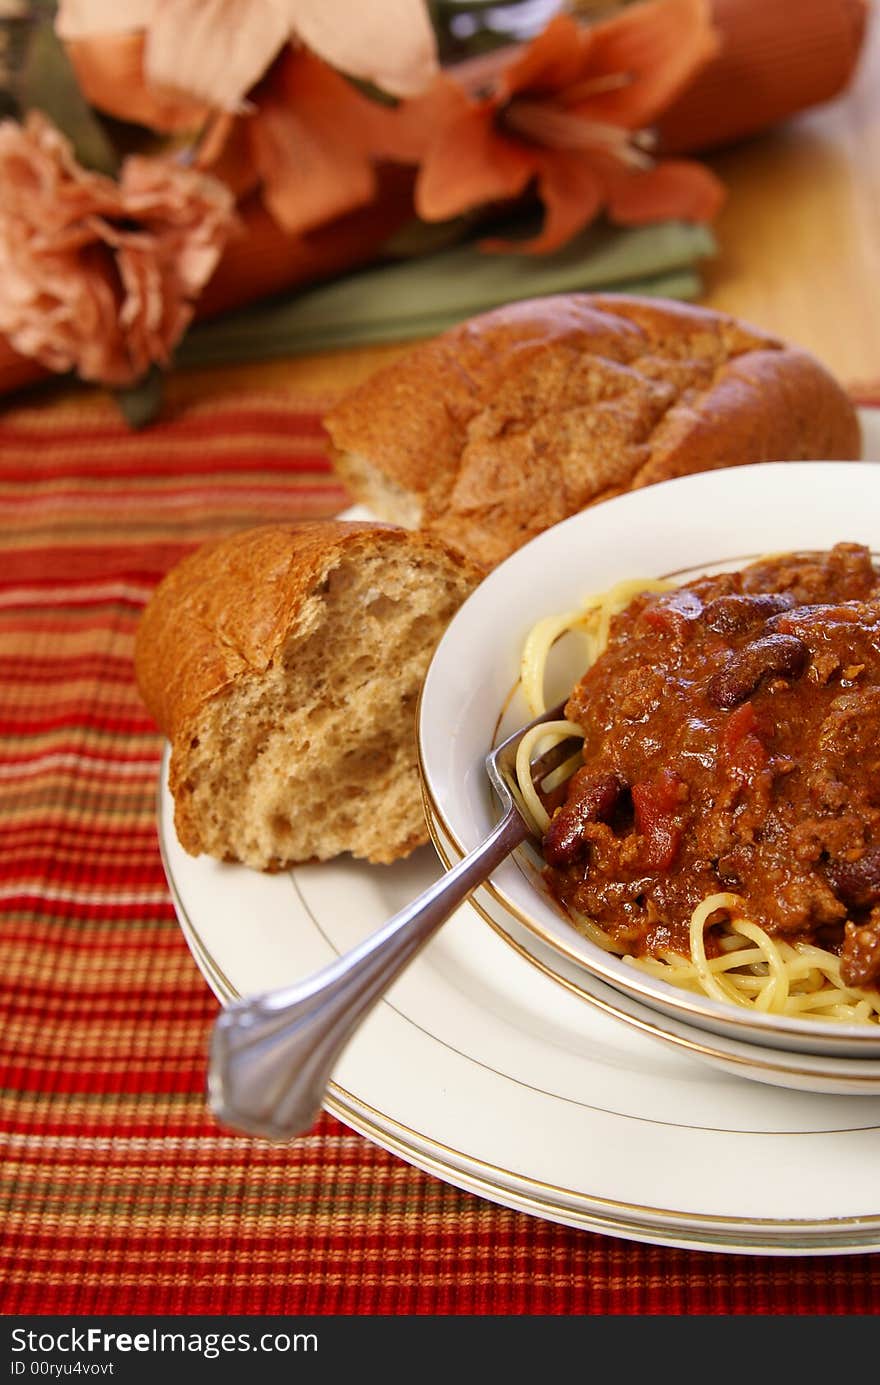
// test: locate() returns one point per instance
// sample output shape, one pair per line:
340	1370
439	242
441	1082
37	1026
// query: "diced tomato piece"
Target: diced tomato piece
742	749
672	614
668	790
655	804
740	722
664	618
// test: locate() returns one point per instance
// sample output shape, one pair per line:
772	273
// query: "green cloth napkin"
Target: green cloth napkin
422	296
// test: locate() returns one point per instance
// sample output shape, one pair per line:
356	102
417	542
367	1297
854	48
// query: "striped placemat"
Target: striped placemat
118	1193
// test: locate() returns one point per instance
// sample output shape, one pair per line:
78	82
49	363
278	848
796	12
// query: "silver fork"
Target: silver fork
271	1055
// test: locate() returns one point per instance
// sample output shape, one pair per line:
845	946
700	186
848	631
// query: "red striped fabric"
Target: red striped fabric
118	1192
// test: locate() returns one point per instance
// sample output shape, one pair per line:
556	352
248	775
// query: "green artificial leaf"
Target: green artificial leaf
421	296
47	83
141	403
416	237
371	91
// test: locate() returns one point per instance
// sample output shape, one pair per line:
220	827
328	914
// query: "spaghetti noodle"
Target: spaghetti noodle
735	944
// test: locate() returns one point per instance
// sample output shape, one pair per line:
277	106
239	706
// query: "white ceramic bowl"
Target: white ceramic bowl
695	524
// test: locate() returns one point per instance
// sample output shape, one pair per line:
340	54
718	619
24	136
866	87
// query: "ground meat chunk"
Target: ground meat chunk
860	954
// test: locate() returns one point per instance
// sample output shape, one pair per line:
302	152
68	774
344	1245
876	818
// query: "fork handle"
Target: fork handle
272	1055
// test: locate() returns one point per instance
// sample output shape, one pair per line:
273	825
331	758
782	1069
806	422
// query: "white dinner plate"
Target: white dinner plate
482	1070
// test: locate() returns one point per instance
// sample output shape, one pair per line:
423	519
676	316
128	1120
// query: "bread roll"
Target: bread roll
514	420
284	664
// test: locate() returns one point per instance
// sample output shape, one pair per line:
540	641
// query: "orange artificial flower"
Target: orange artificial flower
570	113
311	143
179	55
110	73
96	275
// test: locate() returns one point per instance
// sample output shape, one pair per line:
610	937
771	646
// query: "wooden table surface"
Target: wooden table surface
800	233
799	246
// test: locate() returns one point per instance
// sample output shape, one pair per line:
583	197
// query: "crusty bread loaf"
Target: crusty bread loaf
519	418
284	664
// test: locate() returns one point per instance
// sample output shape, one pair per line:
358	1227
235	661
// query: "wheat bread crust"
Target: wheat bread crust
223	614
515	419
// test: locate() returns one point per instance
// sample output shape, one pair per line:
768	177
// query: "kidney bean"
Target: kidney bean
728	615
592	798
783	656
